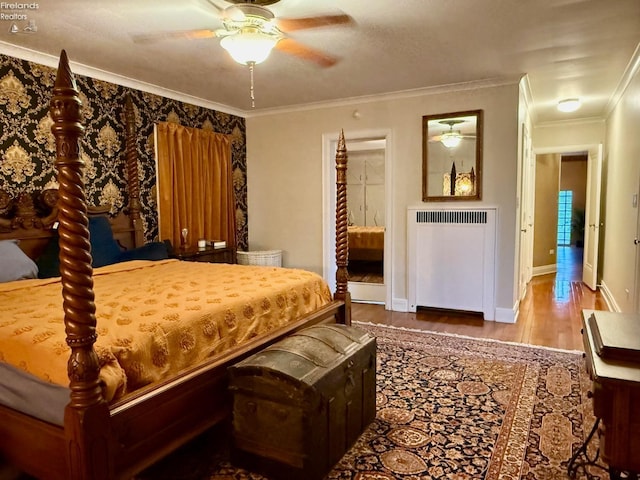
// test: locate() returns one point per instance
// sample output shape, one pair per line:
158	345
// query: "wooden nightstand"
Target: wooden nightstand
208	254
611	344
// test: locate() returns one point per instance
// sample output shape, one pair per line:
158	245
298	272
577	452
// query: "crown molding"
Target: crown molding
630	72
87	71
525	88
81	69
403	94
568	122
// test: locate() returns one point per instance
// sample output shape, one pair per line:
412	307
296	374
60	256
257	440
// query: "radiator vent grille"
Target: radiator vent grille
453	216
451	259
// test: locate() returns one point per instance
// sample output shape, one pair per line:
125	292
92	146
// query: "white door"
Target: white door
636	241
526	213
592	218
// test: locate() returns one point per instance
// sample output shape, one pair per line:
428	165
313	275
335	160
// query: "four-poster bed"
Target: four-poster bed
101	439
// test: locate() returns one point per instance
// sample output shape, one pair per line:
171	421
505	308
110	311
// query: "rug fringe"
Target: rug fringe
468	337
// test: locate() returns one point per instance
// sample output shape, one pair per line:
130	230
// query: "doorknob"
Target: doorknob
636	241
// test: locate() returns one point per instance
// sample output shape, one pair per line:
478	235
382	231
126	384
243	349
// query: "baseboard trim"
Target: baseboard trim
608	298
545	269
507	315
502	315
400	305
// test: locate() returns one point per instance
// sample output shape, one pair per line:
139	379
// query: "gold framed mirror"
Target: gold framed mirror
452	156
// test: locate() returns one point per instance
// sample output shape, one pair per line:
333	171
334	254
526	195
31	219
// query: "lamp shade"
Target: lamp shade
249	47
451	139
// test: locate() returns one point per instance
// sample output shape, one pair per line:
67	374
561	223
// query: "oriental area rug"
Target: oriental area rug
448	407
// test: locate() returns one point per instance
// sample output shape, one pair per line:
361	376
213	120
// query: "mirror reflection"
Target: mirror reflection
452	156
366	211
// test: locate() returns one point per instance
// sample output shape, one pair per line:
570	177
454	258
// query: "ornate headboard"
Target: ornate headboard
31	217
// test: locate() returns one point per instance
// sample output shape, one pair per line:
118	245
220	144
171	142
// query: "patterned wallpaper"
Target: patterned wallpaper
27	147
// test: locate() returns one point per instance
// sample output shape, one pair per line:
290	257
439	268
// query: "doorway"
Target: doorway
366	219
369	214
577	171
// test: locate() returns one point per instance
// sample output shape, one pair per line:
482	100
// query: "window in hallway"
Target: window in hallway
565	203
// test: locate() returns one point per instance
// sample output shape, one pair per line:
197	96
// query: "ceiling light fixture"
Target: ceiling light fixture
569	105
250	46
451	139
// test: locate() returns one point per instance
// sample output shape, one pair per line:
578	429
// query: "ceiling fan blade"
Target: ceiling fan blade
293	24
232	12
188	34
292	47
214	5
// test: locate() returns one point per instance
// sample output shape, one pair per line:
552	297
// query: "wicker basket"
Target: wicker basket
272	258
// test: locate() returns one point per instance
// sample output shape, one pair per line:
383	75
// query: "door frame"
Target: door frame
527	207
591	149
592	218
329	145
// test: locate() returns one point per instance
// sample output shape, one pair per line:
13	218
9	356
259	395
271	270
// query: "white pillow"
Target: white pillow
14	263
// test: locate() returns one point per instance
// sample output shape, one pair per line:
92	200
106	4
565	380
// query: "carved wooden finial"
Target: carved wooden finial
64	77
75	249
86	416
133	180
342	252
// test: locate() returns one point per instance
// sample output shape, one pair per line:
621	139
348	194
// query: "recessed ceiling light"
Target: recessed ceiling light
569	105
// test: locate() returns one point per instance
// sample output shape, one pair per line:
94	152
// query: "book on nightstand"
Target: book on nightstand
616	336
218	243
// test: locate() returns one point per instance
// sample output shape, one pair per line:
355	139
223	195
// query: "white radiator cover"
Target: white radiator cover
451	259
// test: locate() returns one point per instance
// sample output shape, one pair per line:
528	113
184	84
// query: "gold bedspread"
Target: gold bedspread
366	237
154	318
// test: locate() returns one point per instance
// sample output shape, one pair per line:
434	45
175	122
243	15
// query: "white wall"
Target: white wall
622	164
621	176
284	173
565	134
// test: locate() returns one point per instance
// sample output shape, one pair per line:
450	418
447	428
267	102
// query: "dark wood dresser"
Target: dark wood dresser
612	352
208	254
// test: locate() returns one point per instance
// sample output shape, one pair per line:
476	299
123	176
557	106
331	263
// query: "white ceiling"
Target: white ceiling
568	48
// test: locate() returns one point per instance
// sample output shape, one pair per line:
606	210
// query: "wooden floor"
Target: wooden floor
367	272
549	314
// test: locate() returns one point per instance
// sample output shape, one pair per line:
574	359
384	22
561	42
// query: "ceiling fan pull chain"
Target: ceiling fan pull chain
253	98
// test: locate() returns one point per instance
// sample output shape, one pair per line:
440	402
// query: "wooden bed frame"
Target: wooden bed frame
101	441
32	217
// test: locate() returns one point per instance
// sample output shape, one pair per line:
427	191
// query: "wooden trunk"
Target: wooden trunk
300	404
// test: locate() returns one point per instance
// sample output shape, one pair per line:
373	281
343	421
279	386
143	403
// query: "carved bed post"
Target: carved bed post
86	421
133	181
342	252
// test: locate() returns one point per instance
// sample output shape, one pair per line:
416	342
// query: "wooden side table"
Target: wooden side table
208	254
611	356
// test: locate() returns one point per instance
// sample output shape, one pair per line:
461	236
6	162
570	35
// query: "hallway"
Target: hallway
550	313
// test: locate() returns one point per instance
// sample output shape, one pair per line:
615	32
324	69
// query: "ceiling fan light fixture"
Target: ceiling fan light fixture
569	105
451	139
249	47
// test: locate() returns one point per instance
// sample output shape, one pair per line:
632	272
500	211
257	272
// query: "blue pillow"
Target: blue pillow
150	251
104	249
14	263
48	261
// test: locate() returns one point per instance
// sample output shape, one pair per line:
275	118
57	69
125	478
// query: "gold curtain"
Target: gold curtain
195	187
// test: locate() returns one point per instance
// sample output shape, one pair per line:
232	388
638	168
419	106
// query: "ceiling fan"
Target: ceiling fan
250	31
451	138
